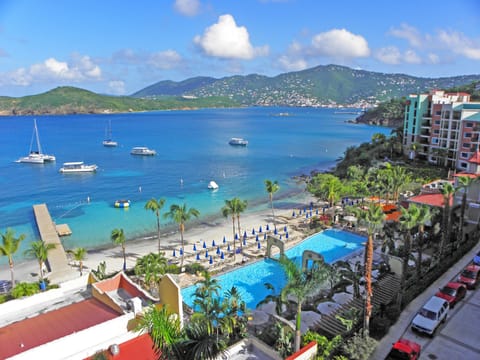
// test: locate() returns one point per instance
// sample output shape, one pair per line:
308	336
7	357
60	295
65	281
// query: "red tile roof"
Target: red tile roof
429	199
139	348
30	333
475	159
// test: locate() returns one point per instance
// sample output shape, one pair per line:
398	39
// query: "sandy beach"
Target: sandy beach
197	233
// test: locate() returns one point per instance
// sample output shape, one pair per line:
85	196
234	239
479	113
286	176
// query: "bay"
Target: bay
192	149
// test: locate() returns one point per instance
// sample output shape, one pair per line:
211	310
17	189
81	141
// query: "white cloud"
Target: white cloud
290	64
411	57
460	44
225	39
116	87
389	55
408	33
340	43
80	68
187	7
164	60
433	58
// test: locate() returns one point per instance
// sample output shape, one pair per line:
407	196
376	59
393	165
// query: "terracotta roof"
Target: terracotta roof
475	159
429	199
139	348
470	175
391	211
44	328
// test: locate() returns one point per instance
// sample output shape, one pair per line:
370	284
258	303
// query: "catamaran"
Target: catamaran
108	142
36	156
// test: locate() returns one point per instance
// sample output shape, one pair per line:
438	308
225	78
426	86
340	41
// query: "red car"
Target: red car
453	292
404	349
470	276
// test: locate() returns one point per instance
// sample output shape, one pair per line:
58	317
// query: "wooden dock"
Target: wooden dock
57	258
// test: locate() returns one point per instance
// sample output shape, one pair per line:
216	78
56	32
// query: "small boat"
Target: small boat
122	203
212	185
77	167
142	150
238	142
108	142
36	156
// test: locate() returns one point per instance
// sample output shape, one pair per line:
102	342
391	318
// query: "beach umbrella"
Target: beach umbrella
181	251
198	256
204	245
253	231
256	238
213	243
206	254
275	231
280	237
236	236
259	245
268	228
174	254
265	236
245	235
260	229
228	247
211	260
224	239
293	213
222	255
194	247
306	216
285	228
316	211
218	249
244	241
286	235
304	209
310	214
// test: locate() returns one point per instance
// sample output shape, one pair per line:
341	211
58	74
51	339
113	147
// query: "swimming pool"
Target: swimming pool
250	279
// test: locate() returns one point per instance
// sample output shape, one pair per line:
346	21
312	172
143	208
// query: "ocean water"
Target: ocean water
192	149
250	279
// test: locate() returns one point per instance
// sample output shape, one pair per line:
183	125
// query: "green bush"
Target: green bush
25	289
4	298
194	268
359	347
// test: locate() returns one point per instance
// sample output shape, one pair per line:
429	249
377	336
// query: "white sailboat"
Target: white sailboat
108	142
36	156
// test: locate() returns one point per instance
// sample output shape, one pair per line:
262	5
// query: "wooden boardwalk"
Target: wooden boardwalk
57	258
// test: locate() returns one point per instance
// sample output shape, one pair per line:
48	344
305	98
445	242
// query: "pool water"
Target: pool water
250	279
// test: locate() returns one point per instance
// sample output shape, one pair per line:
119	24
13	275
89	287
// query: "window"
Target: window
463	165
466	145
437	122
464	155
436	131
438	112
435	140
467	135
469	124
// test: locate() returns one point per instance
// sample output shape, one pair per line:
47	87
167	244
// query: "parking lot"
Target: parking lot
458	338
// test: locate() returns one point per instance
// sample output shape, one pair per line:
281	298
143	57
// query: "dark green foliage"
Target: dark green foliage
193	268
359	347
25	289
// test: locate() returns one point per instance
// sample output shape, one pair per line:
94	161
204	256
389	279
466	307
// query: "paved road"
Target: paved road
458	338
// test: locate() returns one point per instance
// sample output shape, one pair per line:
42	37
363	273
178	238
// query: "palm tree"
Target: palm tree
199	343
9	247
277	299
155	206
447	192
373	219
425	215
118	238
300	284
272	187
152	267
464	184
79	255
40	250
408	220
399	177
234	207
352	273
181	214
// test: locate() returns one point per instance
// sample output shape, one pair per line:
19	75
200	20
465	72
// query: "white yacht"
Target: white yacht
142	150
108	142
212	185
36	156
238	142
77	167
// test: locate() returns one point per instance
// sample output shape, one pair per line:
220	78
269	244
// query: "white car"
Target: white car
430	316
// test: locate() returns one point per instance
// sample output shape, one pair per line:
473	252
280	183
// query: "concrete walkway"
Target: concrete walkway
402	327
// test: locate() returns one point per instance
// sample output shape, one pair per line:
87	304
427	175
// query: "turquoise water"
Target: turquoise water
250	279
192	146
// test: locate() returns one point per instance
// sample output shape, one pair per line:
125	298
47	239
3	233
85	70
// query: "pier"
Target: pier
57	258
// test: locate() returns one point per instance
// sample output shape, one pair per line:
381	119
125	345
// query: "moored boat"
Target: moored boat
238	141
122	203
212	185
142	150
108	142
77	167
36	156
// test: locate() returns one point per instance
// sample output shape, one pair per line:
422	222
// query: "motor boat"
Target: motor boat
36	156
238	142
212	185
142	150
77	167
122	203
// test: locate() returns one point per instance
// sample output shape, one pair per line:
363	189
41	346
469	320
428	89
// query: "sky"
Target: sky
119	47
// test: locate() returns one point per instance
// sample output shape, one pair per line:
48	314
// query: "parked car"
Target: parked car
470	276
430	316
476	259
453	292
404	349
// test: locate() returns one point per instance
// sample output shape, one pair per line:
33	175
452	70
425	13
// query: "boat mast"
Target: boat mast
37	138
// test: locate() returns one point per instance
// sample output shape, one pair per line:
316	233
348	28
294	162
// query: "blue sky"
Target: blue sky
121	46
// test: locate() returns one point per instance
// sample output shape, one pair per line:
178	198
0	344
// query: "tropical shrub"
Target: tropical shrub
194	268
25	289
359	347
325	346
